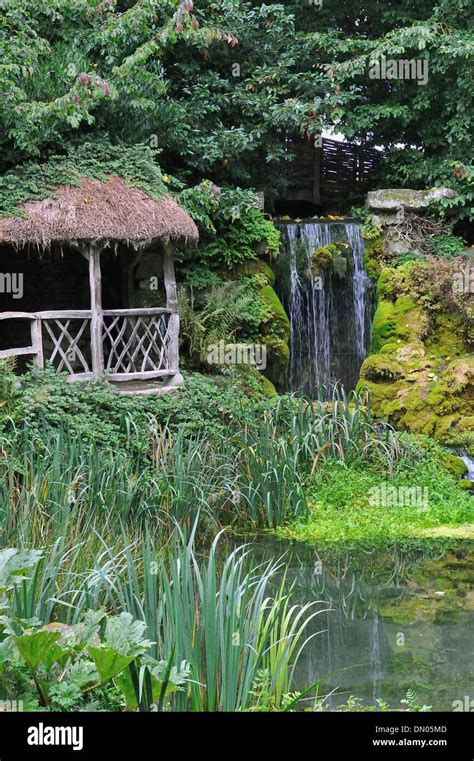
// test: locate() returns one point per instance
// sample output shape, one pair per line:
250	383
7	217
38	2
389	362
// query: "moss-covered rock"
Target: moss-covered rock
454	464
255	267
276	330
253	382
333	257
322	258
415	378
278	324
373	249
371	264
397	322
421	369
392	199
382	367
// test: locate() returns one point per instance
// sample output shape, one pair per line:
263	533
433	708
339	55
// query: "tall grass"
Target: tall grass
119	529
252	478
218	614
339	426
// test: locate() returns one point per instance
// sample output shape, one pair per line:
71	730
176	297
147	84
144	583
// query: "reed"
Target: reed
218	614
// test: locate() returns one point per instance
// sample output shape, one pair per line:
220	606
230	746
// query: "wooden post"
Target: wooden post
37	342
172	304
95	285
317	164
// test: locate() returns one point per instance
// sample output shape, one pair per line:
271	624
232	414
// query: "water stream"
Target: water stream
330	314
470	467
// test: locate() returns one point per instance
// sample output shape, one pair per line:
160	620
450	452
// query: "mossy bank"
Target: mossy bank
420	371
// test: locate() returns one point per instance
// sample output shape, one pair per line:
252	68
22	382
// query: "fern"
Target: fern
219	317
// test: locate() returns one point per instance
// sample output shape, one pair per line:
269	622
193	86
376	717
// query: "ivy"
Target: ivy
94	159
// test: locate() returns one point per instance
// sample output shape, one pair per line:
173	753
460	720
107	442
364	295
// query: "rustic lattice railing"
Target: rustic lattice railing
121	344
135	343
66	343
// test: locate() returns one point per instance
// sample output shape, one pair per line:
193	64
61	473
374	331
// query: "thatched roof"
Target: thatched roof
98	211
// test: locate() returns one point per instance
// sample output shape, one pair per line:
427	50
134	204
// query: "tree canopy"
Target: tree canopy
215	86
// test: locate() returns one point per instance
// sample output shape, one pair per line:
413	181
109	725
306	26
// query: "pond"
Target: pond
391	619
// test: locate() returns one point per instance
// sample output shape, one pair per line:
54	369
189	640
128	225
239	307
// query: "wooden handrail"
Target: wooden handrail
68	314
20	351
140	312
38	318
17	316
82	314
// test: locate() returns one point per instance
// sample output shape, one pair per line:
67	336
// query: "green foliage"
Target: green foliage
447	246
339	498
99	656
355	704
215	209
410	257
241	463
9	390
369	231
411	702
240	240
98	413
426	141
108	658
13	564
223	310
253	228
161	73
242	627
198	276
233	230
156	70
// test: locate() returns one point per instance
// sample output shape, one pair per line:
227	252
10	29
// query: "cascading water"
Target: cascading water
470	467
330	314
360	284
309	311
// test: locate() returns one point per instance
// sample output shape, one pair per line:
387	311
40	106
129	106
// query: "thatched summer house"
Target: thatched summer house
87	283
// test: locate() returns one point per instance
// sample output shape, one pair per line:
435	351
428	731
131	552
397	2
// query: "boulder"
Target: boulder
391	200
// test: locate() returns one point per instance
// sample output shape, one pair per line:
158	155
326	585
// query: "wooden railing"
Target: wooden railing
126	344
136	342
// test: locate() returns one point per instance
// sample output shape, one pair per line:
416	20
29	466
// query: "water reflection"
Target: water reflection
400	618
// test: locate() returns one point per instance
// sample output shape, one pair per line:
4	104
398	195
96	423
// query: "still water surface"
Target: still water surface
399	619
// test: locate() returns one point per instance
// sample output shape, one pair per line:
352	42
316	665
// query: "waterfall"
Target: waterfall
359	286
330	316
470	467
310	308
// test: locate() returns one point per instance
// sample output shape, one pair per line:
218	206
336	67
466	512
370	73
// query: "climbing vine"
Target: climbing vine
96	159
